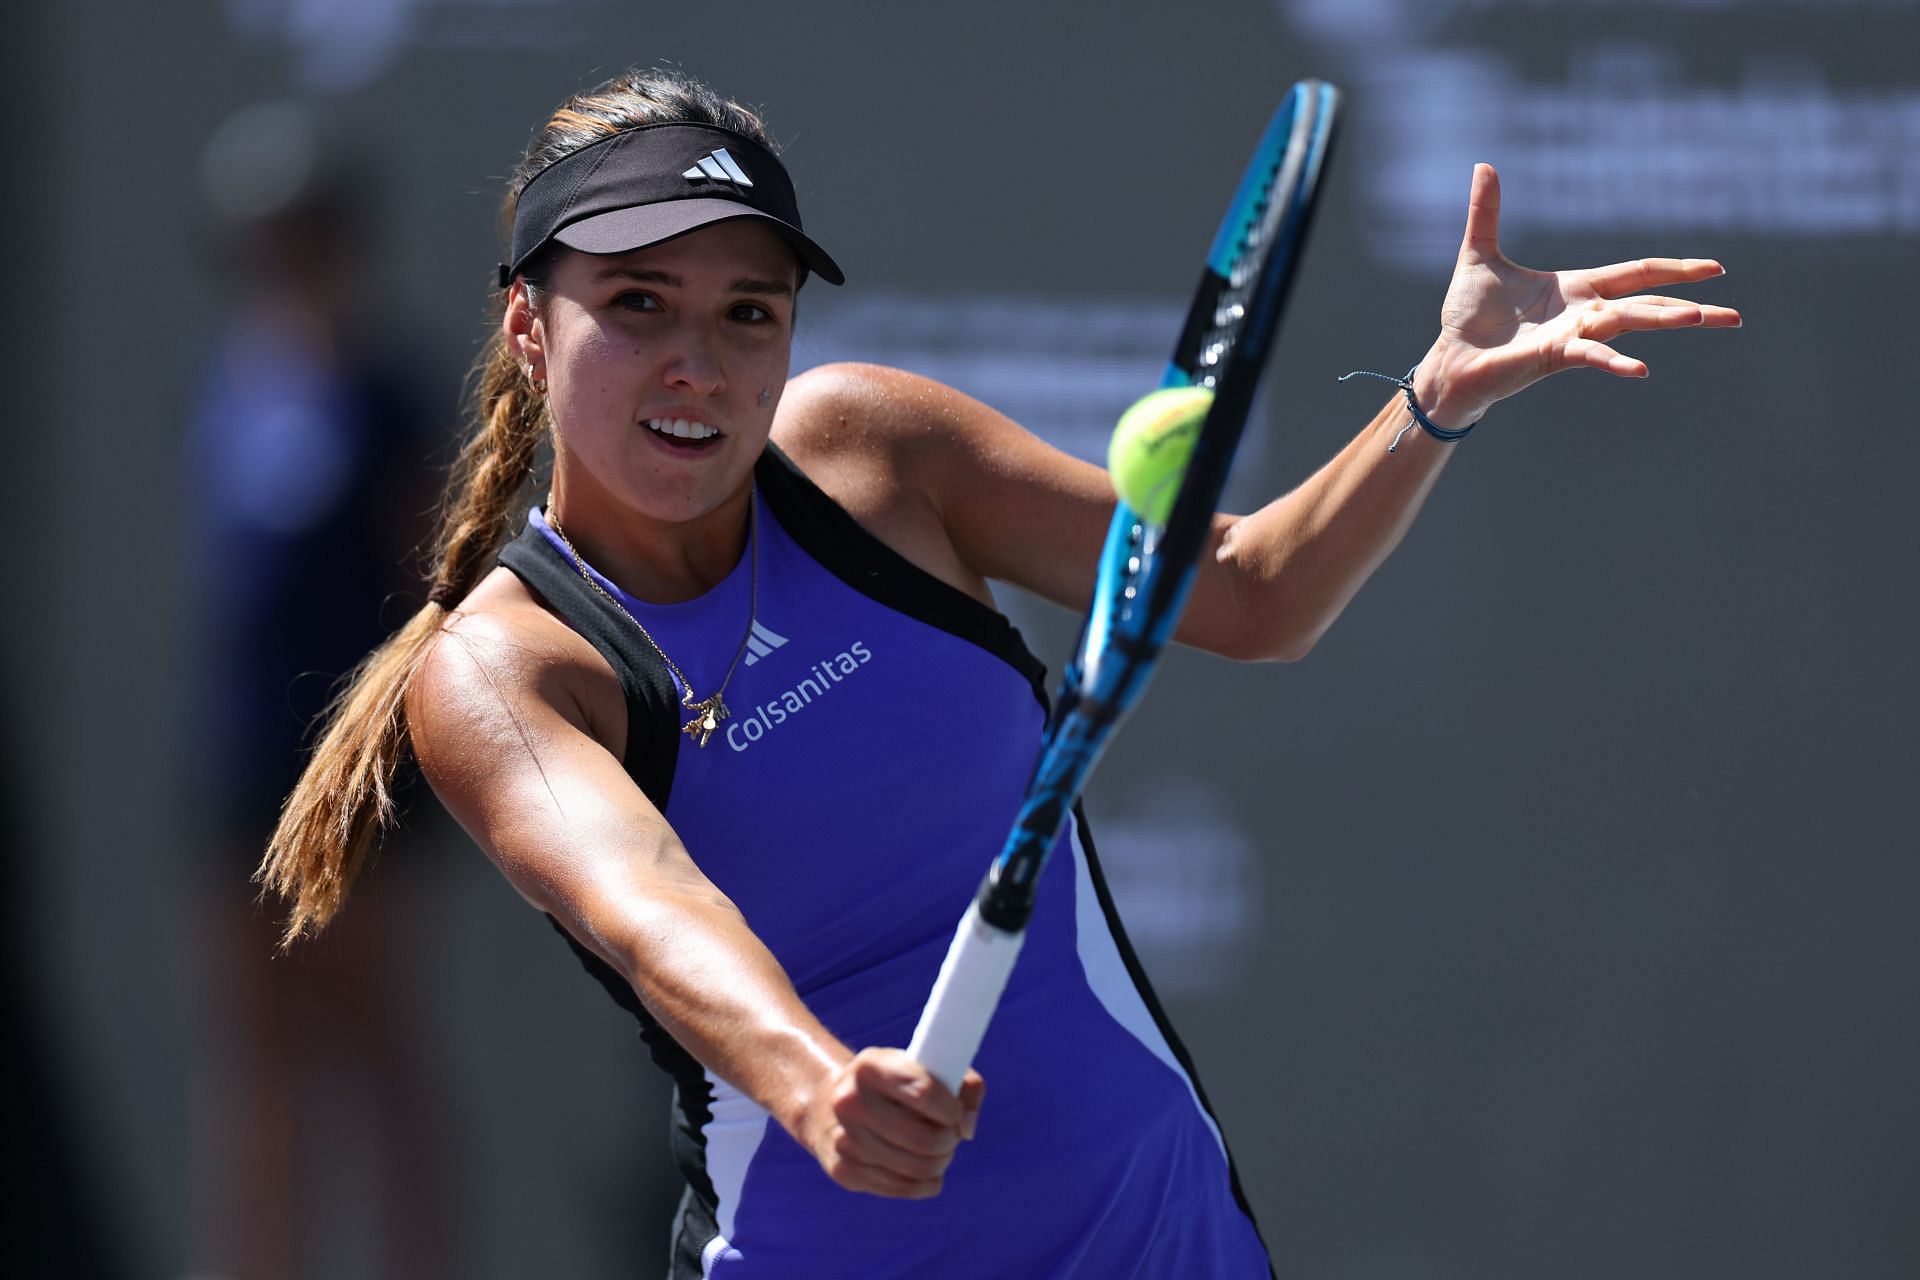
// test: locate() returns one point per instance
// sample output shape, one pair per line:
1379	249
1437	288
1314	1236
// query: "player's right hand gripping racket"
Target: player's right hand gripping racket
1145	570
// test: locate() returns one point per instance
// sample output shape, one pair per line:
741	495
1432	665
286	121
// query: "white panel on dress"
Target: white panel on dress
733	1135
1111	984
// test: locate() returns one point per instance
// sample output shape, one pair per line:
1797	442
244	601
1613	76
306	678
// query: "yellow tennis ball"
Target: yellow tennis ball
1149	450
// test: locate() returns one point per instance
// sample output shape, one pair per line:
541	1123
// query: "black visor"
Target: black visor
645	185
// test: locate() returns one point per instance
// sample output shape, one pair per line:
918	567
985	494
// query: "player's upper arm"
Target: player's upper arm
503	720
1014	507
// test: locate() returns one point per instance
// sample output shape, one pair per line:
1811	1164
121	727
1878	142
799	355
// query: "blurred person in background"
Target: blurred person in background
307	478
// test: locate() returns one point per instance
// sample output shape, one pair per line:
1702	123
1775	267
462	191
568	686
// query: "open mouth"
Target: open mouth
682	433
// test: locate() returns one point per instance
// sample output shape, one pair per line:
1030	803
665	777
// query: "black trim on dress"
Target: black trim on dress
844	547
652	751
653	702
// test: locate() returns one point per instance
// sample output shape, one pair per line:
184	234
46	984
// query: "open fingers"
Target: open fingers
1638	276
1601	321
1607	320
1710	317
1576	352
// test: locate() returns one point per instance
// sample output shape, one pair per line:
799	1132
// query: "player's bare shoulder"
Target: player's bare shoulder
498	654
880	442
852	416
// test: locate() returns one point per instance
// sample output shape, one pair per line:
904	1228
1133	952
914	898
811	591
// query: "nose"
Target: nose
695	364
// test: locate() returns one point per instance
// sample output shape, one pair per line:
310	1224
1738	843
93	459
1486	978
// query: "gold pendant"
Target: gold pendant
709	713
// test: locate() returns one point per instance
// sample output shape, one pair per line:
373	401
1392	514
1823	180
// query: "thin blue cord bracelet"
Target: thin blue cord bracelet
1448	434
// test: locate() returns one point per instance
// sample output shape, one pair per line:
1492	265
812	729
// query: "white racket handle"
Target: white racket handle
964	997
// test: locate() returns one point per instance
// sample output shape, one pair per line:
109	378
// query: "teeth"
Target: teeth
684	428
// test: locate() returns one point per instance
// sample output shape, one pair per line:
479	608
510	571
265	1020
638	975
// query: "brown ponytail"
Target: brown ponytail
345	798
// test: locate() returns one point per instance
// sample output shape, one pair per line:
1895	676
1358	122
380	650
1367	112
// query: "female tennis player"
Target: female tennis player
735	709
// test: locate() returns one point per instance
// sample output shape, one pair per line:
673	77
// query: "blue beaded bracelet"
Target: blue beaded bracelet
1448	434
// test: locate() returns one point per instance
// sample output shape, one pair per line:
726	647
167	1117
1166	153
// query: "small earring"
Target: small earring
766	394
539	384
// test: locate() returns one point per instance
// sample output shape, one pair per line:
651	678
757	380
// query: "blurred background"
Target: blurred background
1555	917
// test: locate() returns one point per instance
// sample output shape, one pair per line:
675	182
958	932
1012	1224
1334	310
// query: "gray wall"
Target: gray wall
1583	868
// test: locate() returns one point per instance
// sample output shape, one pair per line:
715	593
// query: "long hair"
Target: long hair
344	799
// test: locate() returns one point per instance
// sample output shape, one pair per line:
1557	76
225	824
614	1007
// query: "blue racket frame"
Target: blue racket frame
1146	571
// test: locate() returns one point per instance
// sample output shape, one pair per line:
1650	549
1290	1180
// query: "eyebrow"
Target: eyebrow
746	284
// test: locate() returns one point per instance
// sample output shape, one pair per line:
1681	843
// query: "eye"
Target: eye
637	300
752	313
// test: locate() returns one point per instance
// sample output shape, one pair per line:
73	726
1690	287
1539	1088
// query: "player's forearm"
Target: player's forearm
714	986
1292	566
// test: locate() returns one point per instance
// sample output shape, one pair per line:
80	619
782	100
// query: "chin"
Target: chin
681	505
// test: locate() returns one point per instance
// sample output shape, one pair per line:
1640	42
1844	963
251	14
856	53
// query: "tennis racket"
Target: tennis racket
1146	570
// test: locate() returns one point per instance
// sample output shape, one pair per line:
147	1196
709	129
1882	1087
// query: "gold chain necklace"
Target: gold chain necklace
711	710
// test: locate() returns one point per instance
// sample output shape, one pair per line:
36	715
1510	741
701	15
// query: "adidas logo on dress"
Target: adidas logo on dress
761	642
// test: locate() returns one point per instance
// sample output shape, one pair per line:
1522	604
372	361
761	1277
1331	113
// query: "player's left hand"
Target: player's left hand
1504	326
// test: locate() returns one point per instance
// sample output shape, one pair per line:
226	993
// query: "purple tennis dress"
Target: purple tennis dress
883	725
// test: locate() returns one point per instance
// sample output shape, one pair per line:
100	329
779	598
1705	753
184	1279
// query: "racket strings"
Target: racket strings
1230	309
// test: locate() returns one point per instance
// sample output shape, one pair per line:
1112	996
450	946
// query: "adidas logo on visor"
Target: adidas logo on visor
761	642
718	166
